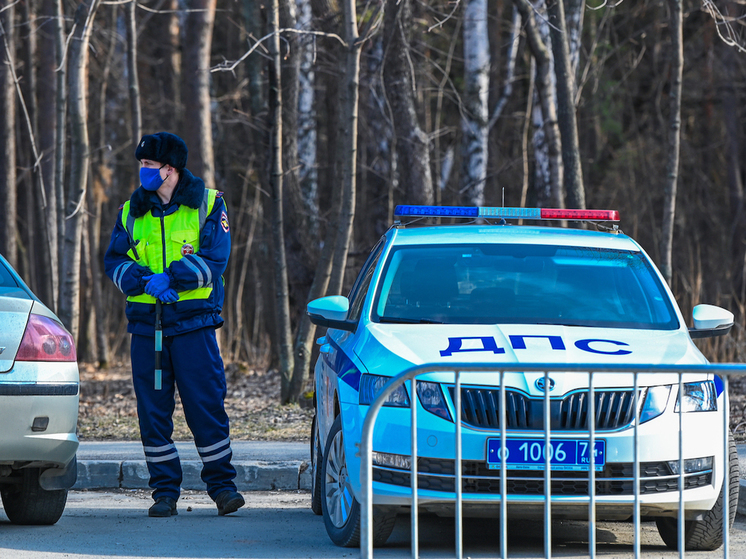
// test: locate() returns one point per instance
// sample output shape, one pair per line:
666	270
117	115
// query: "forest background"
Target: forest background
316	117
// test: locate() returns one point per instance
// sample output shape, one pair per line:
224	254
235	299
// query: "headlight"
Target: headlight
656	401
697	396
372	385
431	398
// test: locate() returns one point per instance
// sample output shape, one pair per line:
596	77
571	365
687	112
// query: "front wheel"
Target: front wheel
27	503
316	460
340	509
706	534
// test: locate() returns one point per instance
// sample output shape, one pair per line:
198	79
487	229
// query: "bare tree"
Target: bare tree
79	165
545	89
47	92
412	146
475	117
8	194
348	145
133	81
196	88
572	169
674	137
283	338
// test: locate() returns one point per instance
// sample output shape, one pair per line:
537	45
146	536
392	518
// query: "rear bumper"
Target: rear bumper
35	391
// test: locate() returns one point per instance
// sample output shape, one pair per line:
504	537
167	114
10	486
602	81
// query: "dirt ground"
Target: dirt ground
108	410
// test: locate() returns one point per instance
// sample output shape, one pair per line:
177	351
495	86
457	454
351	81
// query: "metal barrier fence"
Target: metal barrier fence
724	371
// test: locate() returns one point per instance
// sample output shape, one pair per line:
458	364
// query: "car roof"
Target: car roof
511	234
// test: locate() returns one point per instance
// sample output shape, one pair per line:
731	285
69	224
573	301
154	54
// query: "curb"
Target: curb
251	475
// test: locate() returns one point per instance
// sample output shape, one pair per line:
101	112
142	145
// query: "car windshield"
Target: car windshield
522	284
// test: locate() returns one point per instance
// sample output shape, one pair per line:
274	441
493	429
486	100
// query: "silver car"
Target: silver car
39	386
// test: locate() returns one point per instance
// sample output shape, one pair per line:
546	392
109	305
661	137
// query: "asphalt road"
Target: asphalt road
280	525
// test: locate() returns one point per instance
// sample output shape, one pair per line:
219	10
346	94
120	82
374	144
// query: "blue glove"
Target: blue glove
169	296
157	284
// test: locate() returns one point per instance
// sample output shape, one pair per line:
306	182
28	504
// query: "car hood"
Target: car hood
389	349
14	314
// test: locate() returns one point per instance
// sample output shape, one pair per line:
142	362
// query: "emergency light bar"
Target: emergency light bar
508	213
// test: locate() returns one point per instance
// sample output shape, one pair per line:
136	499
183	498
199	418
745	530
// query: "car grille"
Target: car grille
615	479
480	407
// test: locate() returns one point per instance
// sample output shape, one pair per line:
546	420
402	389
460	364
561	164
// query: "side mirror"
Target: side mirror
710	321
331	312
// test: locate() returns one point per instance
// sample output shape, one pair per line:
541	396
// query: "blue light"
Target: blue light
515	213
436	211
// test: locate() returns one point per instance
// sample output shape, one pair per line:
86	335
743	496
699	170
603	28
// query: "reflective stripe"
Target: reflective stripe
119	274
205	268
163	448
207	449
204	208
174	455
197	272
216	456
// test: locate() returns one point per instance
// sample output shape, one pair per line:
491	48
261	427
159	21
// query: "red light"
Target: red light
46	340
580	215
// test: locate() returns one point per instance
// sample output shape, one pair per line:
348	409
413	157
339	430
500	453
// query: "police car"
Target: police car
492	292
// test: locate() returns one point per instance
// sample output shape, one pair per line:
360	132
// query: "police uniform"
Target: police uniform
189	239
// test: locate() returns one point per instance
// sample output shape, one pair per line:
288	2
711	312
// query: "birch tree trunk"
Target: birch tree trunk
474	121
674	138
79	165
548	193
307	172
196	88
283	338
574	17
412	146
572	169
8	194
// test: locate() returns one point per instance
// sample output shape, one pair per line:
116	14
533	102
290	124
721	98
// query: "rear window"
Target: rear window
9	287
522	284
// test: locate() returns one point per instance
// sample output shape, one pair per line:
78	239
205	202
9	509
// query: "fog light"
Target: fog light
692	465
392	460
40	424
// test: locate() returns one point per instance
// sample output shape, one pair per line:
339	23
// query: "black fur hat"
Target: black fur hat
163	147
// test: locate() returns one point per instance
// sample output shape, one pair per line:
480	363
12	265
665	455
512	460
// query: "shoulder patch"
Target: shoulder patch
219	194
224	222
121	206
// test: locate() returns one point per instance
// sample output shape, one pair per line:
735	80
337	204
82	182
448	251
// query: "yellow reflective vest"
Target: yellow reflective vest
160	241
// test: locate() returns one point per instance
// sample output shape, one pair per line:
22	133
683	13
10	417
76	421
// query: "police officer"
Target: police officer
171	244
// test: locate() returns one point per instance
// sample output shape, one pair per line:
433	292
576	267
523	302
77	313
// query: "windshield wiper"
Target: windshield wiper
397	320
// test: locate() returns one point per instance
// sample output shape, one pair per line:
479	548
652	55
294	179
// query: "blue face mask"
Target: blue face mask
151	178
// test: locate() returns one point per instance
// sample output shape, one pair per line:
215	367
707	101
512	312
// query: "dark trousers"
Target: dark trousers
192	363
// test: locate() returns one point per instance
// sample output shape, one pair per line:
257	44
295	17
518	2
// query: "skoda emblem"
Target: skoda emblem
540	384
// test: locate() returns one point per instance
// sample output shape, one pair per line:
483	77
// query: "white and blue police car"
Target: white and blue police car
490	292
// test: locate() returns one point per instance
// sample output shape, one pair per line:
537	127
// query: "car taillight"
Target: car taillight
45	340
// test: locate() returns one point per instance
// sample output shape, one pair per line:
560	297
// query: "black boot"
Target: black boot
163	506
228	502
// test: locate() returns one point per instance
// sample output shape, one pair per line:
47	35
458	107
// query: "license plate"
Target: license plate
529	454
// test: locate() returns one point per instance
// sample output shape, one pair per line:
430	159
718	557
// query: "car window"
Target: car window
362	283
522	284
9	286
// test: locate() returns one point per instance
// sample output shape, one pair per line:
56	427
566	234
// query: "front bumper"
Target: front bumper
615	494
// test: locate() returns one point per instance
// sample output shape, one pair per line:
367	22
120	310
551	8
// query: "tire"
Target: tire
27	503
340	509
706	534
316	459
